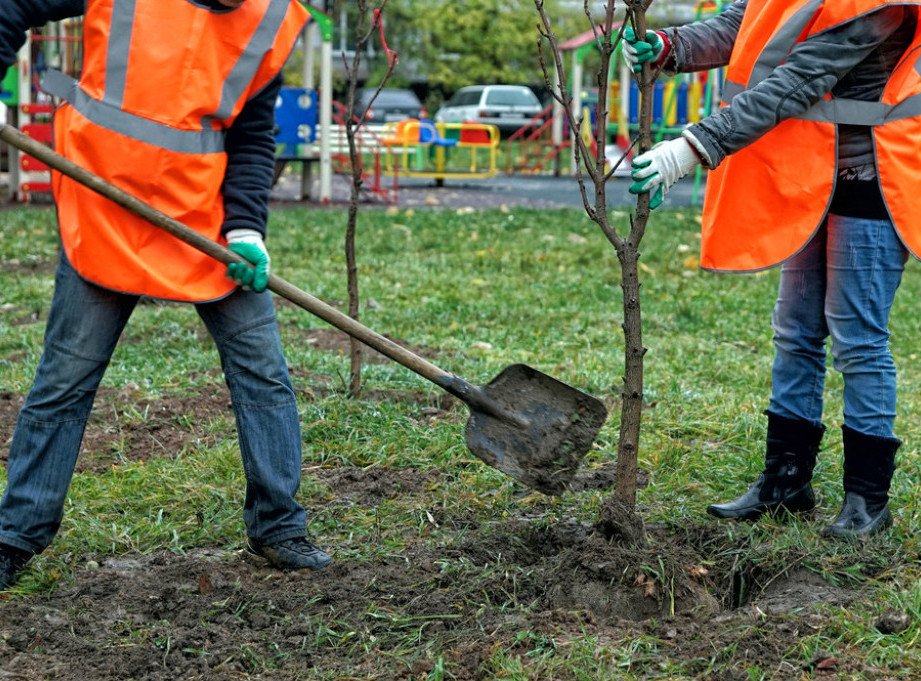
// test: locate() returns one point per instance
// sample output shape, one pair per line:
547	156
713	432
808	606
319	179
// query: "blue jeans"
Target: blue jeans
84	324
841	285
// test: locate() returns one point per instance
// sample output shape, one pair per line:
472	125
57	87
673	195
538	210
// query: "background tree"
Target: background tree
366	24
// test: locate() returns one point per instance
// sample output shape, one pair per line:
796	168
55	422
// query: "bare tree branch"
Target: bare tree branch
559	93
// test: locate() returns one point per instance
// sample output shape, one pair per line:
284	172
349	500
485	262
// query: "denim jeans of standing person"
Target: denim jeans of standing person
841	285
84	324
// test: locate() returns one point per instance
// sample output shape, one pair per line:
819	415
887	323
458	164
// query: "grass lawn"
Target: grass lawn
445	568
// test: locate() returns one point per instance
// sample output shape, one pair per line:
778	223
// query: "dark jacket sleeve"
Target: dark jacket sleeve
17	16
250	146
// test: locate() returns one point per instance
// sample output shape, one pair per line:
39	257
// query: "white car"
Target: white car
508	107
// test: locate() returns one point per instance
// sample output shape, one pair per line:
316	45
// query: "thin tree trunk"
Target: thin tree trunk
352	125
355	346
632	405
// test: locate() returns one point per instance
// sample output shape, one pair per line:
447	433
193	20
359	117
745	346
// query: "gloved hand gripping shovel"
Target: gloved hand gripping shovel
524	423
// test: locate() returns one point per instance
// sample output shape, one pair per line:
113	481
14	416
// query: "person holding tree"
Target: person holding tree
175	104
813	160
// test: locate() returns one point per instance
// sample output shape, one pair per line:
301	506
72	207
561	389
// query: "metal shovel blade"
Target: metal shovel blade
551	428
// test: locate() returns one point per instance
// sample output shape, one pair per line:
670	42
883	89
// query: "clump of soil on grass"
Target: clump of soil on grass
125	426
369	487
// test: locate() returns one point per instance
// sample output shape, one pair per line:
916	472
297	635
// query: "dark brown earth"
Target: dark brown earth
529	584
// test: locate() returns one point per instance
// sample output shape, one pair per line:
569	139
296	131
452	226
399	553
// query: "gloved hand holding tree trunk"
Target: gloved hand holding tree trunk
652	50
661	167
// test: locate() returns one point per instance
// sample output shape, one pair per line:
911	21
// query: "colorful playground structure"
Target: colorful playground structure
385	153
425	148
311	128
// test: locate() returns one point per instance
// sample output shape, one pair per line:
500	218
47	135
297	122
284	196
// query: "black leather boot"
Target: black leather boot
869	463
785	483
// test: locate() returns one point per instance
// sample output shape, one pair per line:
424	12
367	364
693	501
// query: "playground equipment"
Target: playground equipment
369	148
312	125
296	117
56	46
534	149
423	148
409	148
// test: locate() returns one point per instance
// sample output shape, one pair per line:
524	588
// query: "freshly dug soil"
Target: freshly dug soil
530	584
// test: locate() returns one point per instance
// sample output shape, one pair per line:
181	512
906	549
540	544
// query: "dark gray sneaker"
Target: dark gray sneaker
12	561
290	554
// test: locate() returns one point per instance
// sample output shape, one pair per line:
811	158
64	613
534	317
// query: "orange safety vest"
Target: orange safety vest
765	201
162	81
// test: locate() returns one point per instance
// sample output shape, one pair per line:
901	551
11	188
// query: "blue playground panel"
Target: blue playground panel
658	103
295	120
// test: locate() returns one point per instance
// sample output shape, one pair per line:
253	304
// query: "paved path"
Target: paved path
509	190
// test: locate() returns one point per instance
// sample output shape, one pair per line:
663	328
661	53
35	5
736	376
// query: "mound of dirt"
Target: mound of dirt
213	614
445	597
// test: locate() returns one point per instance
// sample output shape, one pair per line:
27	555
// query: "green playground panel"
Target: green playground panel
10	87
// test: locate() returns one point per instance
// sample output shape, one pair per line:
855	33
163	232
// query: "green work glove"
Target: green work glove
661	167
639	52
639	187
248	244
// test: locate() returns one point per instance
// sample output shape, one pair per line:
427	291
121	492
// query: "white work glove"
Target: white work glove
638	52
248	244
661	167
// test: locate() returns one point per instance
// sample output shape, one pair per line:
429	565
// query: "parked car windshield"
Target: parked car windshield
465	98
391	104
510	98
393	98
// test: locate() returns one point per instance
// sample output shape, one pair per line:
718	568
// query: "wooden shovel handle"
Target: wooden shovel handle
449	382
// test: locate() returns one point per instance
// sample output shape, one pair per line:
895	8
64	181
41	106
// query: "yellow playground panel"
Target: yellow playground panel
423	148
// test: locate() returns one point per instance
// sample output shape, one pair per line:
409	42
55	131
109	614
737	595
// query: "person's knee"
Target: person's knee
65	386
254	363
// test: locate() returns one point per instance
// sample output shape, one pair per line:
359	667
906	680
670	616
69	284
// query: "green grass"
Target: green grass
486	290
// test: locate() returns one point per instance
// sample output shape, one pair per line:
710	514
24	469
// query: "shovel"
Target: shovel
523	422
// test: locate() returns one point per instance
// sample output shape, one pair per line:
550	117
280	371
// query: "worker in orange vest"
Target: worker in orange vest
175	105
813	160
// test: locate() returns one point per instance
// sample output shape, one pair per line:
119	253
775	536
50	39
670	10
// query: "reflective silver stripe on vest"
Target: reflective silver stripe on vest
121	26
246	67
845	111
782	42
138	128
855	112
